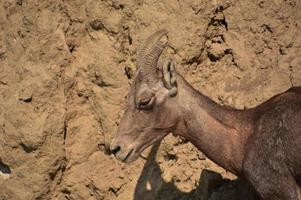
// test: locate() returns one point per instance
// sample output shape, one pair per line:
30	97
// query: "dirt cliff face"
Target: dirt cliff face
65	68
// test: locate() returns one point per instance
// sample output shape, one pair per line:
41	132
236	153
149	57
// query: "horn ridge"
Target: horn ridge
149	55
149	44
152	57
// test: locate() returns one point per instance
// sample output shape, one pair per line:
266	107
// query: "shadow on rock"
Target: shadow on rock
212	186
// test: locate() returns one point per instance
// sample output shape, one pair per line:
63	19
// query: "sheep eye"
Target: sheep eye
146	103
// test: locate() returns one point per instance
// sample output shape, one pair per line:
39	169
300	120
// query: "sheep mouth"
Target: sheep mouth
127	157
134	153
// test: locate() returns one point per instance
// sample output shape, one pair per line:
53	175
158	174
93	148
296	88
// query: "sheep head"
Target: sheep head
151	110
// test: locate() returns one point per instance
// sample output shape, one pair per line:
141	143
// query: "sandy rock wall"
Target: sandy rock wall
65	67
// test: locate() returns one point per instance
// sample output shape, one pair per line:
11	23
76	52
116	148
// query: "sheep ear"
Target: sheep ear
169	77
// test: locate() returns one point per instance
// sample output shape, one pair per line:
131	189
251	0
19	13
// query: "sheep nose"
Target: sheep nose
115	148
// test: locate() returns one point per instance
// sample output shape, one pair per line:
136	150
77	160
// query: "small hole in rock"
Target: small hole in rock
5	171
27	148
171	157
129	72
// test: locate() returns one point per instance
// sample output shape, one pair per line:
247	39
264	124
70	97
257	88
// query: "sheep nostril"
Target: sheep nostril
115	149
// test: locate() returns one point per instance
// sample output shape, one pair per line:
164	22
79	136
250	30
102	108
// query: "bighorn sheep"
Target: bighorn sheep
261	144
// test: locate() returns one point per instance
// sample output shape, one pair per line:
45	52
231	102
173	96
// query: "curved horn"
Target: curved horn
150	42
149	53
